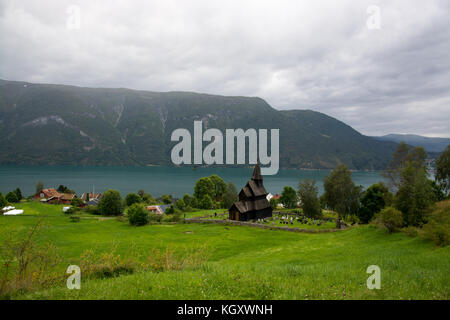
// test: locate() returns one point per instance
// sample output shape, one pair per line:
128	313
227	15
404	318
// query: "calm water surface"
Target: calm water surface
155	180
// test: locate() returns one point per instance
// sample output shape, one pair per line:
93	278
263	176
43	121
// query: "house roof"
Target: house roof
91	196
50	193
68	196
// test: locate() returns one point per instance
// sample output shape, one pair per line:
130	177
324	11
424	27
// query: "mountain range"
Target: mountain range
47	124
430	144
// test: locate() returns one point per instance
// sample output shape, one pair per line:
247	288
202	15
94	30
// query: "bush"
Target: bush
438	227
76	202
92	210
206	202
180	204
11	197
132	198
3	201
154	217
273	203
27	262
166	199
411	231
390	218
111	203
137	215
105	265
170	210
74	219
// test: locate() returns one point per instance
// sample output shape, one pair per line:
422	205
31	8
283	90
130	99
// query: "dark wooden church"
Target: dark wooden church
252	202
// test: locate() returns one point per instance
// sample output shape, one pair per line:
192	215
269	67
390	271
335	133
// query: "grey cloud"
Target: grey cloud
317	55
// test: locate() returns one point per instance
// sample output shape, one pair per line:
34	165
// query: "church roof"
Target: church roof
253	195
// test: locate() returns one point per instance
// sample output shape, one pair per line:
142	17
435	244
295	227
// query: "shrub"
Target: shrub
166	199
76	202
273	203
170	260
289	197
170	210
374	199
411	231
154	217
205	202
438	227
11	197
307	192
180	204
92	210
132	198
74	219
137	215
27	263
111	203
3	201
390	218
105	265
187	199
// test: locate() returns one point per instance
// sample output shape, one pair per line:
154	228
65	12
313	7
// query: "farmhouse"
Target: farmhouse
50	195
252	202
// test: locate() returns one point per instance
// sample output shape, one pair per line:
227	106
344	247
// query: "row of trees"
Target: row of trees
11	197
409	192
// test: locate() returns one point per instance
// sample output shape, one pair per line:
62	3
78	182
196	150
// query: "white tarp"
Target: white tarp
13	212
8	208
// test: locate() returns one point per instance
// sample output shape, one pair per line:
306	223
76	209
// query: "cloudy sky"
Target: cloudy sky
380	66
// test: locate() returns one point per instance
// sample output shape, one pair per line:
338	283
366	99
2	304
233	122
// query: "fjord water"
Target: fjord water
155	180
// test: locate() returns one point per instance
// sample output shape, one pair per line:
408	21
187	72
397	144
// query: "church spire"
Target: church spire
257	173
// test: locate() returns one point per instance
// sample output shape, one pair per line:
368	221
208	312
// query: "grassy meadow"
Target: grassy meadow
233	262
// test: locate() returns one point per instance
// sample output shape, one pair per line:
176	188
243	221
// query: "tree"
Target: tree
137	215
132	198
170	210
438	190
390	218
273	203
180	204
230	196
39	187
219	186
76	202
64	189
404	154
18	194
443	170
141	193
289	197
166	199
3	201
206	202
374	199
415	195
307	193
111	203
204	187
11	197
187	199
341	194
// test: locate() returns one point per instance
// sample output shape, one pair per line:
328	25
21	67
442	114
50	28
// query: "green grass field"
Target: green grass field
242	262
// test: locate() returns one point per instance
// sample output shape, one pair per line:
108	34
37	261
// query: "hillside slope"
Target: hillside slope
430	144
44	124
